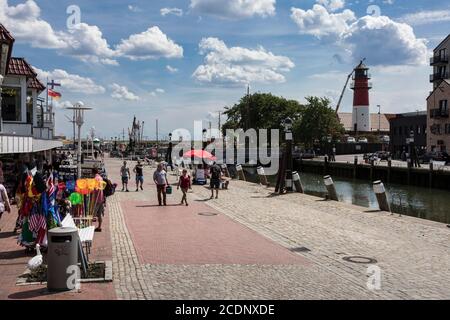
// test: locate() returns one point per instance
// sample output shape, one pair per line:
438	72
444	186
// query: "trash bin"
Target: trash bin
62	254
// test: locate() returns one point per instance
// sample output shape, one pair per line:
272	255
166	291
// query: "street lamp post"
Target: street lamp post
79	110
289	165
379	119
1	92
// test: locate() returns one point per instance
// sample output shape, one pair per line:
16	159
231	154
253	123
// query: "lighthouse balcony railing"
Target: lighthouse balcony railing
439	59
355	85
439	114
368	76
439	76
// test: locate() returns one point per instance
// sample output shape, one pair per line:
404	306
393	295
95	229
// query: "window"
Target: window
443	105
443	53
11	100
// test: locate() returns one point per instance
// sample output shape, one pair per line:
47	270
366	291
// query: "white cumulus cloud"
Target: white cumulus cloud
83	41
385	42
24	21
319	22
234	8
70	82
151	44
237	65
332	5
380	39
175	11
122	93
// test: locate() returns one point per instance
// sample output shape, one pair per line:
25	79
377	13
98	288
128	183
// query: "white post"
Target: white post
23	102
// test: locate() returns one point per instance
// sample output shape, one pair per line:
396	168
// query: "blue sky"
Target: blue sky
181	60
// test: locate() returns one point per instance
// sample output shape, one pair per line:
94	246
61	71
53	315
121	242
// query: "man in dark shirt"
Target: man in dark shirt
215	173
139	170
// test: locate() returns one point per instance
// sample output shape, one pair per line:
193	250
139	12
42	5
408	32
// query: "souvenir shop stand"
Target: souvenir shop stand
45	201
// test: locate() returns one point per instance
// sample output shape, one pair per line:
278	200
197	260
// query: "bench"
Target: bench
86	235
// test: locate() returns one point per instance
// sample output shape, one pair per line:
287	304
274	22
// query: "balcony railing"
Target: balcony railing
439	76
439	60
361	86
369	76
439	114
43	133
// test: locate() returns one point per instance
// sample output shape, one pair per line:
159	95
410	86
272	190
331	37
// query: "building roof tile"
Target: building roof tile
20	67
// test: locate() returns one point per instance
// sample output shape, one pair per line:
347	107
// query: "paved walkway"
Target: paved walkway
13	262
198	252
249	245
179	249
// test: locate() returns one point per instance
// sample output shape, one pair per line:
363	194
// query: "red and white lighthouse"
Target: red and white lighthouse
361	104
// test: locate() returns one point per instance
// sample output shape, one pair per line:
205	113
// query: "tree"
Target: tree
318	122
261	111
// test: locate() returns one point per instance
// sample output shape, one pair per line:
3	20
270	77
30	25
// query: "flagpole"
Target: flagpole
42	116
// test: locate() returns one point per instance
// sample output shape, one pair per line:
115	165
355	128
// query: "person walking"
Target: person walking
139	171
125	174
185	184
99	210
4	201
160	179
215	173
333	154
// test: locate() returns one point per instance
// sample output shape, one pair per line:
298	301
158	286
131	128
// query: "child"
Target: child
185	184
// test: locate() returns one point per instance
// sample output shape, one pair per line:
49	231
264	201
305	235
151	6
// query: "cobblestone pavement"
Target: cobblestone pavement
413	254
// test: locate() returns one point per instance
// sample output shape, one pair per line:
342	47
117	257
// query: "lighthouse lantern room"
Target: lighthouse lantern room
361	104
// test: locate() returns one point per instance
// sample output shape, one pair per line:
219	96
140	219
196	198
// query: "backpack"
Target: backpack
215	172
109	189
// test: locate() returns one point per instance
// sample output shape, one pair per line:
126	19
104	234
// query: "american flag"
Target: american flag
37	222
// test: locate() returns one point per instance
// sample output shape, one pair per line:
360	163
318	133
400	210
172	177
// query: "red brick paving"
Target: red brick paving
13	260
179	235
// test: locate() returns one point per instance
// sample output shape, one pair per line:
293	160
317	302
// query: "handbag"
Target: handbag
169	190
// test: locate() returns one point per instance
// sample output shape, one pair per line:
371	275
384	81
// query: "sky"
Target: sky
181	61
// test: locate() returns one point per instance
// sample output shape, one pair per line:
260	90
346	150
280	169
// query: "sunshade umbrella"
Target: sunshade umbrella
200	154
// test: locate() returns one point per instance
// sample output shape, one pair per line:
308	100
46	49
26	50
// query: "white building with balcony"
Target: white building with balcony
26	122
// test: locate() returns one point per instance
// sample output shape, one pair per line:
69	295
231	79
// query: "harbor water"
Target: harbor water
424	203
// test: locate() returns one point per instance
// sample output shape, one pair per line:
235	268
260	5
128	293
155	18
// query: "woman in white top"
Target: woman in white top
4	201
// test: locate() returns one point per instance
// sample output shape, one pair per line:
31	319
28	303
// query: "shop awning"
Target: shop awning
16	144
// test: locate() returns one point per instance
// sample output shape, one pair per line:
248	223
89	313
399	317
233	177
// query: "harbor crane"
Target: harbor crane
345	88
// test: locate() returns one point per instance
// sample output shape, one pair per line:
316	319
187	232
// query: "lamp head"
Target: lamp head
288	123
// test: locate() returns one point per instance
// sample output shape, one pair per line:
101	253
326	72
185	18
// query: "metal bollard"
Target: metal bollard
380	192
240	172
262	176
297	182
332	194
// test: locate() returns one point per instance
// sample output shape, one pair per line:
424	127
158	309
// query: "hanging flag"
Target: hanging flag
55	95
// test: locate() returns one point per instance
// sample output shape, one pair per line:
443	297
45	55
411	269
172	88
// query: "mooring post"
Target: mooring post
240	172
297	182
329	184
380	192
262	176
